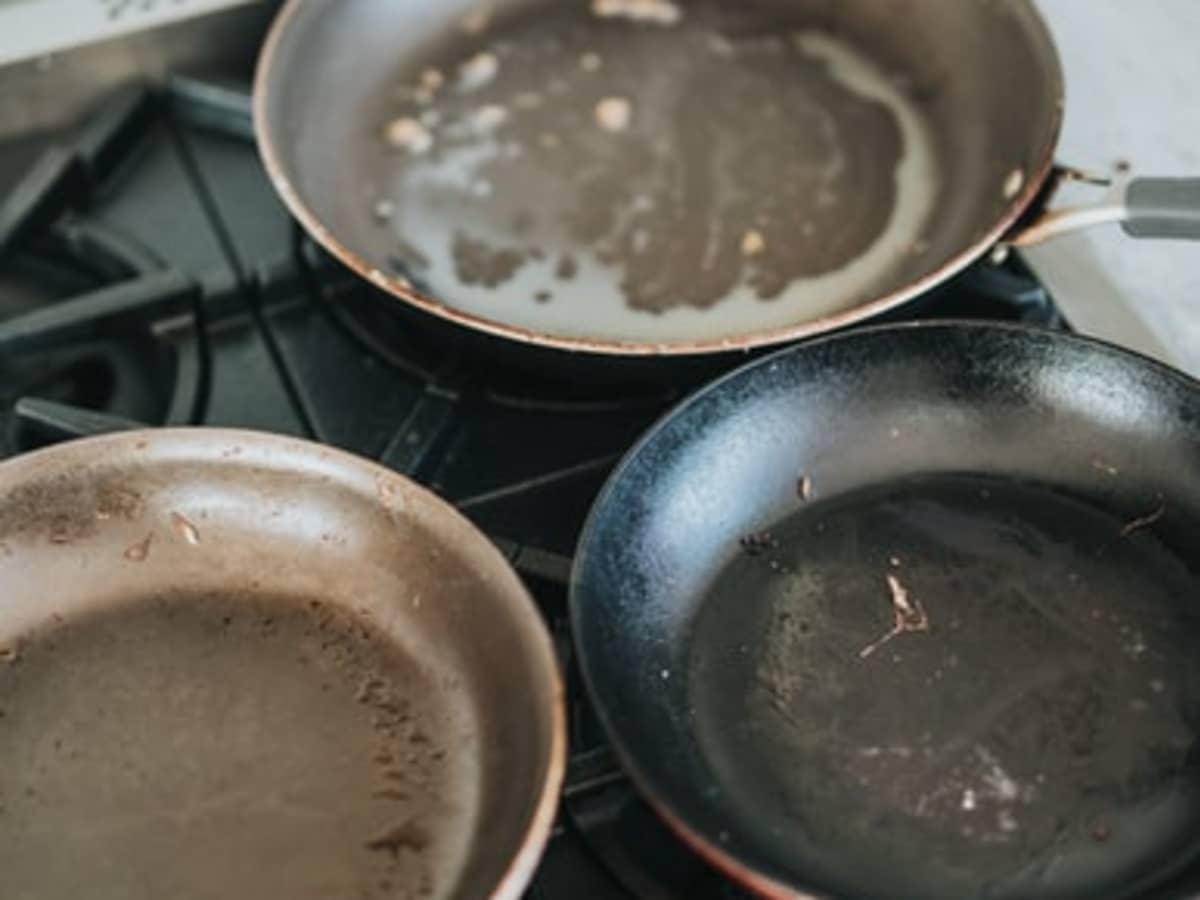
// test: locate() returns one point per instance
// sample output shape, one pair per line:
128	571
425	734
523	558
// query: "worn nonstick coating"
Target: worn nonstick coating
983	78
239	665
1025	504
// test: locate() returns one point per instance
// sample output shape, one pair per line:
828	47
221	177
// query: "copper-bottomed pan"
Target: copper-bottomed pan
663	178
241	665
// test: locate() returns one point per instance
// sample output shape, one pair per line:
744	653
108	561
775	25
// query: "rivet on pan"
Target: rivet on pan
804	488
1013	183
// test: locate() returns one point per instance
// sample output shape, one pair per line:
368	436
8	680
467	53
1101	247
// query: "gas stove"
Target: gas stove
149	277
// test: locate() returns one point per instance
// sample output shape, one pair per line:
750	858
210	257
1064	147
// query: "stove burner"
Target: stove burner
374	321
78	300
66	298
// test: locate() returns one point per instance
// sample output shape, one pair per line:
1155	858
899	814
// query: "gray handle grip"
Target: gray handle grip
1163	208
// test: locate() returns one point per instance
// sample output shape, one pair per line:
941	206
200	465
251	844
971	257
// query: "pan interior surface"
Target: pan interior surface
670	173
237	665
988	669
224	746
911	613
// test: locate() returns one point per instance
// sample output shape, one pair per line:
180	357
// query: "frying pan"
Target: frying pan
239	665
911	613
655	178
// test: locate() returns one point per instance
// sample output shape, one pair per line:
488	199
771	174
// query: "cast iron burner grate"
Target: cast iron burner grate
70	334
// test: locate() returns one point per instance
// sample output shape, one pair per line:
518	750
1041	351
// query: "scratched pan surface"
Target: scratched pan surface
911	613
237	665
649	177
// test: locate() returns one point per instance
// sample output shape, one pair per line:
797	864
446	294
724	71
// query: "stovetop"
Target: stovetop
149	276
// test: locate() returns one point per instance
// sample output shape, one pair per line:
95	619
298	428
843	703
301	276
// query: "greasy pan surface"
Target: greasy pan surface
911	612
237	665
655	178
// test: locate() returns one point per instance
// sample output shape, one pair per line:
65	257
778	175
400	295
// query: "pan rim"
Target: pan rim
399	288
708	847
210	443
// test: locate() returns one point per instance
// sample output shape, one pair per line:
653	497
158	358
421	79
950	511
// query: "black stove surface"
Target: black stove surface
149	276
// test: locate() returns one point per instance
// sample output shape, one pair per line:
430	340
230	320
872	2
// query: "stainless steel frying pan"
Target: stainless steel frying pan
239	665
666	178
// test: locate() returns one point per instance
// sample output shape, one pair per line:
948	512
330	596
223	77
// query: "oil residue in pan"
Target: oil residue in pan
1042	706
667	178
215	746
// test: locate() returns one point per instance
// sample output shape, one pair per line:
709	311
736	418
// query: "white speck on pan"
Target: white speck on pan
478	71
657	12
430	82
753	243
614	113
185	529
488	118
998	782
408	134
384	210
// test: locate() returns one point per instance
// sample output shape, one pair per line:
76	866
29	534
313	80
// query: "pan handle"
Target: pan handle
1145	207
1163	208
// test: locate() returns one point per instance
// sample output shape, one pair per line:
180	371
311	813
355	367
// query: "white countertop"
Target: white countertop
1133	92
32	28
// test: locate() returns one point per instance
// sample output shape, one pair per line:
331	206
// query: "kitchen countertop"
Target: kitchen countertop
1133	73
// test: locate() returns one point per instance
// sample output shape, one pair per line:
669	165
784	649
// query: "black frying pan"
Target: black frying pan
659	178
911	613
